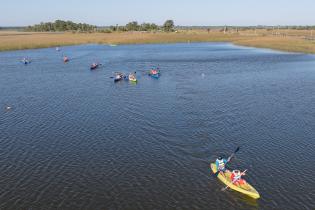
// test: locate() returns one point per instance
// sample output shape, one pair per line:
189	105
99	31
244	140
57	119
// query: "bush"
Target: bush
60	25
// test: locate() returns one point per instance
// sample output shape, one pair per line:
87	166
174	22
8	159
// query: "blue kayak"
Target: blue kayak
155	75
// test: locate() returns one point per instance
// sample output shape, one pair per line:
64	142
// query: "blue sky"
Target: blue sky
183	12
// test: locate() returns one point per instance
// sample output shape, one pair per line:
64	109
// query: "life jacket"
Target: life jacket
221	164
236	176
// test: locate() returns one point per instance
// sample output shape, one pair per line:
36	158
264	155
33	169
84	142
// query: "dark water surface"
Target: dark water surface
75	140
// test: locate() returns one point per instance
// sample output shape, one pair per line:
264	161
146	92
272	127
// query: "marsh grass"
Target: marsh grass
289	40
289	44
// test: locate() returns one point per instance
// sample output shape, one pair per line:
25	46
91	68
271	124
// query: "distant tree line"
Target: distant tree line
14	28
168	26
246	27
301	27
60	25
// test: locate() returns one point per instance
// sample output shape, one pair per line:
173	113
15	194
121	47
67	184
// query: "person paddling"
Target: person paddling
236	177
220	163
65	59
25	60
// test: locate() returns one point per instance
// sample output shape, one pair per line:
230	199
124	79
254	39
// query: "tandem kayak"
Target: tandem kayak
246	188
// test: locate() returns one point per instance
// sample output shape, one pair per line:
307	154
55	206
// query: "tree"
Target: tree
145	27
168	25
113	28
154	27
133	26
148	27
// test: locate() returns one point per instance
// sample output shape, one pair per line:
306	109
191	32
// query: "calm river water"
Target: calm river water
73	139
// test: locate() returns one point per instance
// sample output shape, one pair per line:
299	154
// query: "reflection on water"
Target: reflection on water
73	139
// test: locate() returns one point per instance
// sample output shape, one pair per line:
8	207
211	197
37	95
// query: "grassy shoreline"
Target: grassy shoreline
293	41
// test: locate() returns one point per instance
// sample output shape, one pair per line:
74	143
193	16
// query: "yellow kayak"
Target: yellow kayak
132	78
246	189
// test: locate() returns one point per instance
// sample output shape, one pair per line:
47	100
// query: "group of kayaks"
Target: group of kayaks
130	77
66	59
93	66
226	177
154	72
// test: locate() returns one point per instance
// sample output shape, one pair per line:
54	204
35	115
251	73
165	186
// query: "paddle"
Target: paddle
232	155
224	188
228	160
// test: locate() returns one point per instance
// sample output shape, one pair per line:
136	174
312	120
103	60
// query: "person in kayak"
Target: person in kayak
65	59
220	163
236	177
153	71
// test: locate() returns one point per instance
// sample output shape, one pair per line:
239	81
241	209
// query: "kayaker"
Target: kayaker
26	61
220	163
153	71
236	177
65	59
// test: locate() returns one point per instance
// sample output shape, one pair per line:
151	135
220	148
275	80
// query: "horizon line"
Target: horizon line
260	25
